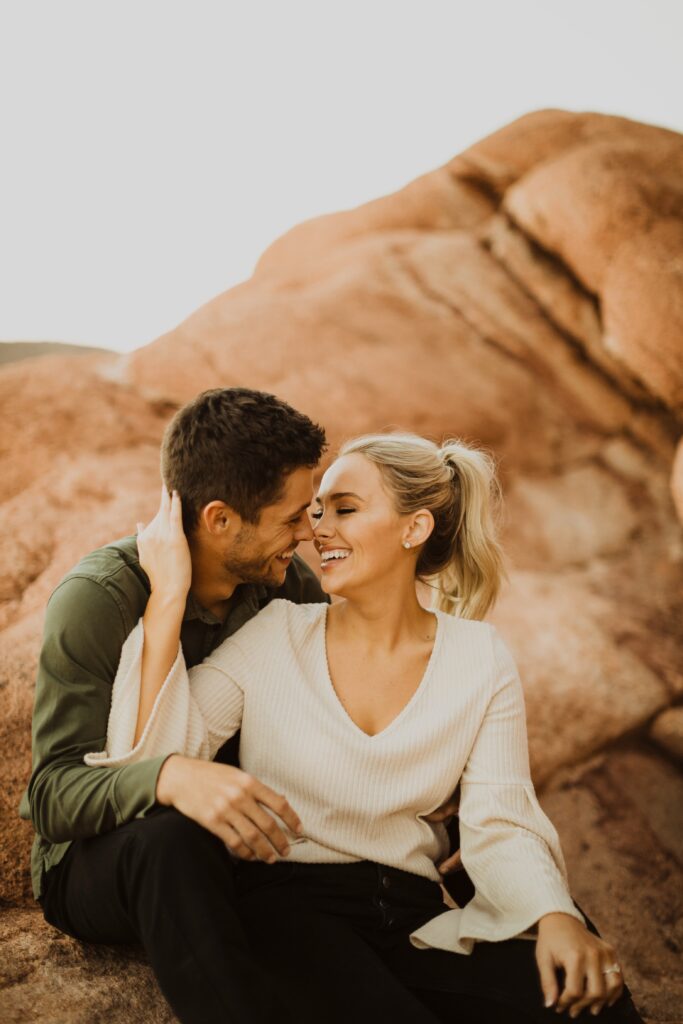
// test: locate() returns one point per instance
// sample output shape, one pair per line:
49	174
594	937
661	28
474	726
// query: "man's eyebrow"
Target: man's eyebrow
341	494
295	515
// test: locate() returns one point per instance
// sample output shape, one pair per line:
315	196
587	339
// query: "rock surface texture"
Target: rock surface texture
528	296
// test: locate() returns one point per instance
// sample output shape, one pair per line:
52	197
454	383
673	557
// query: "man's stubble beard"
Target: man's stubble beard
248	566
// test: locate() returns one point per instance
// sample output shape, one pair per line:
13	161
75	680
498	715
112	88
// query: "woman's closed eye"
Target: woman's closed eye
340	512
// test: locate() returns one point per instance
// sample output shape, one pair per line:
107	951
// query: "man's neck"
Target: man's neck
212	589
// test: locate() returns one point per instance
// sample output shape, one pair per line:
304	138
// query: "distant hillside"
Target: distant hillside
13	351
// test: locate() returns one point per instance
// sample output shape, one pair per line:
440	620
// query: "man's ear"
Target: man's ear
218	519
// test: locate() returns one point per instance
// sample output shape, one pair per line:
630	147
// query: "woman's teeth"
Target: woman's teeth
330	556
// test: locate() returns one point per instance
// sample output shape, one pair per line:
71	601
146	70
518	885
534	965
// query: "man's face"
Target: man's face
261	552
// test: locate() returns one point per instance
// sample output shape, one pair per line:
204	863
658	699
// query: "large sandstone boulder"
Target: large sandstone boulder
529	296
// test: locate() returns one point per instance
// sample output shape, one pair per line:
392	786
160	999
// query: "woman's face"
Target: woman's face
358	532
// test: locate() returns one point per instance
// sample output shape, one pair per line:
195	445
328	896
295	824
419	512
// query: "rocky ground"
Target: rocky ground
529	296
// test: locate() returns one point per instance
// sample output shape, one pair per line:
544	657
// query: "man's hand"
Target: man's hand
445	813
227	801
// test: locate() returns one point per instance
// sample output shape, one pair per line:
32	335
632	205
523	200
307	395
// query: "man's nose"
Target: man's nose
304	531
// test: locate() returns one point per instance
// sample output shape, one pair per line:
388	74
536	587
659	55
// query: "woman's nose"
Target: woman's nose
322	527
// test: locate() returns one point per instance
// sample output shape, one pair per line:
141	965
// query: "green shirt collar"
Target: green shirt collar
250	595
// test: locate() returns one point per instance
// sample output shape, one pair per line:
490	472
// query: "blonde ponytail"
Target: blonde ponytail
462	558
469	583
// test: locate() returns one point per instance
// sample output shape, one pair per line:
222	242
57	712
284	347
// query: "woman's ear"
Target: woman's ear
419	528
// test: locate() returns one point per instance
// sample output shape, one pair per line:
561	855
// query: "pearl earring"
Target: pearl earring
406	543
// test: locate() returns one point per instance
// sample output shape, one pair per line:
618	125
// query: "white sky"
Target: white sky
151	149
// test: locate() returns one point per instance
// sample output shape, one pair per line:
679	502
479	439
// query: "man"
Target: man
138	853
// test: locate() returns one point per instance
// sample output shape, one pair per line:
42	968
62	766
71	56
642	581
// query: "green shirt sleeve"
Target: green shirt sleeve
66	799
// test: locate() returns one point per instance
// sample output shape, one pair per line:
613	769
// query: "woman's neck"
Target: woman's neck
382	621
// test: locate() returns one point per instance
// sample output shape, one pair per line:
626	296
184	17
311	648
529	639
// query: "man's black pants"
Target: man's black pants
167	883
254	943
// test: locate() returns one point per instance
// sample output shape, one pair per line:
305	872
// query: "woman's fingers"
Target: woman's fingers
176	512
446	810
595	989
452	863
548	977
574	978
615	983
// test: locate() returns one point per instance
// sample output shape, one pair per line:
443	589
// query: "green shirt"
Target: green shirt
89	616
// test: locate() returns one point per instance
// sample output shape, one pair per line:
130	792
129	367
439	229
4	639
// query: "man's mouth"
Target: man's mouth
286	556
329	558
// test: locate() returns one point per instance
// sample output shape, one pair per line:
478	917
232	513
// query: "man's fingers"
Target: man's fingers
452	863
548	977
277	803
232	840
270	828
254	838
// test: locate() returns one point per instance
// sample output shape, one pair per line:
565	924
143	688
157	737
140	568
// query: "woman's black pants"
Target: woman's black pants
252	943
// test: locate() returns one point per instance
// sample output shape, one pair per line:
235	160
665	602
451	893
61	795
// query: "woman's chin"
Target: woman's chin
336	588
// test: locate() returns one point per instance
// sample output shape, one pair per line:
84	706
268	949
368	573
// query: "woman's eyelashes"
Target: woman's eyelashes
318	514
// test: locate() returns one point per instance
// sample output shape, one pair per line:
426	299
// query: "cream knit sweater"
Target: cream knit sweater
365	797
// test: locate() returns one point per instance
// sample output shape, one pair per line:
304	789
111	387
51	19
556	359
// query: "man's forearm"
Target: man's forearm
74	801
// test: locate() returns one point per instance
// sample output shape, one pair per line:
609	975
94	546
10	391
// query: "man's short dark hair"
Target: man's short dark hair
238	446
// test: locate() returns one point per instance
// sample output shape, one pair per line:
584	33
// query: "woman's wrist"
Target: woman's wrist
168	600
555	917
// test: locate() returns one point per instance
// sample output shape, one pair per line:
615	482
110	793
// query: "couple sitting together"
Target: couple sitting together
307	883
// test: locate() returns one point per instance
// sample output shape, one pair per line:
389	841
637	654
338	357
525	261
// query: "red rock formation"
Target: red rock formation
528	295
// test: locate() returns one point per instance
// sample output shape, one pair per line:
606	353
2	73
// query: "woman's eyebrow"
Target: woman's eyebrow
340	494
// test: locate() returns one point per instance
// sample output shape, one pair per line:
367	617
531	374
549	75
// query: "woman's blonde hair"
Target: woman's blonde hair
457	483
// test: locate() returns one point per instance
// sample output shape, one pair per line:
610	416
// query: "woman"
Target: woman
367	714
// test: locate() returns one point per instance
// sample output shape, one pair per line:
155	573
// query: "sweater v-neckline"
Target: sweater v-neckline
409	703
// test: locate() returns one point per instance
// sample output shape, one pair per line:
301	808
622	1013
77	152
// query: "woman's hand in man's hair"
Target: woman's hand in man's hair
163	549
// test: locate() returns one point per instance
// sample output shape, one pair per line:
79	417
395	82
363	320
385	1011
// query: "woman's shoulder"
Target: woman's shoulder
481	637
473	630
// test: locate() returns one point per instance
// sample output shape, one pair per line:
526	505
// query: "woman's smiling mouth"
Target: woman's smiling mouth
332	555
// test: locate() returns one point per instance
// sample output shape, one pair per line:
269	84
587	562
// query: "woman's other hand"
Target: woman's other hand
163	549
563	941
445	814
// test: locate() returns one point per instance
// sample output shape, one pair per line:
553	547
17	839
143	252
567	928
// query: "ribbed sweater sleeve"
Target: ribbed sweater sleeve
194	713
509	847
